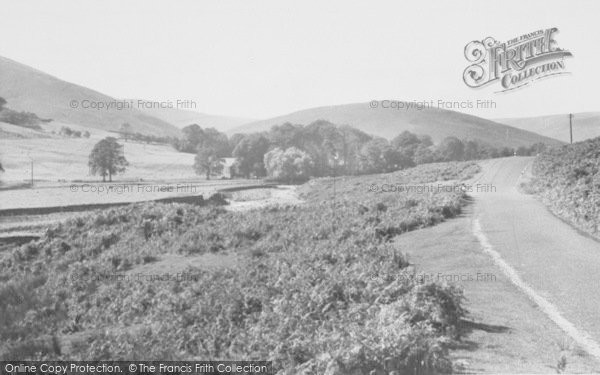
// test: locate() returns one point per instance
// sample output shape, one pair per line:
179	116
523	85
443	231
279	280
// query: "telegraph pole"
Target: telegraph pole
571	126
31	173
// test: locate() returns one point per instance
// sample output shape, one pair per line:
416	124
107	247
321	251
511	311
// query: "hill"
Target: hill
182	117
585	125
388	123
28	89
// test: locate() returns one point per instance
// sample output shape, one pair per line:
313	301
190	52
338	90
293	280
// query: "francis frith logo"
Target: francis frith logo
515	63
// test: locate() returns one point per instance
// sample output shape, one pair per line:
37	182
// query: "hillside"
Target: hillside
388	123
585	125
63	158
568	181
181	117
28	89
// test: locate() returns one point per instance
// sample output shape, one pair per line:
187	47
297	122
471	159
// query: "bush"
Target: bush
568	181
24	119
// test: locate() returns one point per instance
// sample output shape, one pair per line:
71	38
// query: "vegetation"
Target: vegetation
207	162
23	119
250	153
145	138
65	131
314	288
340	150
291	165
568	180
107	158
195	138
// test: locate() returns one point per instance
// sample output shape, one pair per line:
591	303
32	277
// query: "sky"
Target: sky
259	59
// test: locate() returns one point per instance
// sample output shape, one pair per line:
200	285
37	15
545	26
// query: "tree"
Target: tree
286	136
196	138
323	141
2	103
451	149
208	162
425	140
423	155
126	130
471	150
291	165
107	158
523	151
373	156
406	144
214	139
352	141
235	139
250	153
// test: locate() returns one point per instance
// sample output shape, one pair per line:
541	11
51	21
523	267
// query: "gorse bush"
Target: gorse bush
313	288
568	180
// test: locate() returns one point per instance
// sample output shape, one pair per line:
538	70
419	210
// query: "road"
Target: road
556	266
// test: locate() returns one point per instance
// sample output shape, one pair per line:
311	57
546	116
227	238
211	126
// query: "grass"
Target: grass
62	158
300	293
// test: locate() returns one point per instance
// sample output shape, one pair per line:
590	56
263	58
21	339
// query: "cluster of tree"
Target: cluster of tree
23	119
126	132
292	152
195	139
65	131
291	165
107	159
209	145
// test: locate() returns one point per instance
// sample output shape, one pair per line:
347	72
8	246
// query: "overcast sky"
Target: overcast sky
260	59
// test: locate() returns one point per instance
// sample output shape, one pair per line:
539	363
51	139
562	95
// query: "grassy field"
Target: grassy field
296	284
61	158
568	181
61	173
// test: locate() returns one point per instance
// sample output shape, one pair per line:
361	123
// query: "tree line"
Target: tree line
295	152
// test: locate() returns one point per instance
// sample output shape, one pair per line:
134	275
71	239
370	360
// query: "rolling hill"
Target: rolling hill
181	117
585	125
388	123
28	89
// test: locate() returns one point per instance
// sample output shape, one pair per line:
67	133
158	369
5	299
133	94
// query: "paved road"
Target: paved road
557	263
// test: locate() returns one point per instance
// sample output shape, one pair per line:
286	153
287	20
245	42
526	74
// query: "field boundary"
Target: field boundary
190	199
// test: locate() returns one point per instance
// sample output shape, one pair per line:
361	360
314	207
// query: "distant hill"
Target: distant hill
388	123
181	117
585	125
28	89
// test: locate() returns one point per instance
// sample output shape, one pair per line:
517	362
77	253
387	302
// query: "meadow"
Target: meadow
302	286
57	158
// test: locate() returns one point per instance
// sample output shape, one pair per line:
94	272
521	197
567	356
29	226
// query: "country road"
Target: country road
531	282
558	263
